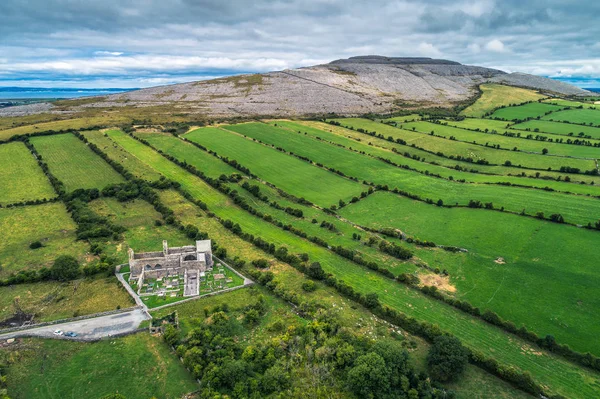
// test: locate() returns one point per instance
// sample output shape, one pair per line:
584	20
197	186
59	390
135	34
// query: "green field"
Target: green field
526	111
48	223
292	175
203	161
373	170
578	116
142	234
509	143
457	148
21	179
495	95
559	128
117	154
569	103
55	301
73	163
481	124
429	161
558	374
139	367
537	271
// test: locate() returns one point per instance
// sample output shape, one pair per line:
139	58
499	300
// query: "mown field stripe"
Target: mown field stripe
556	373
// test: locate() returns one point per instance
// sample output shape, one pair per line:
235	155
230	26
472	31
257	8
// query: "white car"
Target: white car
58	332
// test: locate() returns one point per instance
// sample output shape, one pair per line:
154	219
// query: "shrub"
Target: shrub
35	245
447	358
65	268
309	286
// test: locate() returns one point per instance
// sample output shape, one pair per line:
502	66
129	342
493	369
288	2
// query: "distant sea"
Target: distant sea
20	93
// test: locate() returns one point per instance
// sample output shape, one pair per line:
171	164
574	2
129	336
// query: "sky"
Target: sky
142	43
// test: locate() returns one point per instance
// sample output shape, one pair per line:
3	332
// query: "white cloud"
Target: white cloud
474	48
429	50
113	53
495	45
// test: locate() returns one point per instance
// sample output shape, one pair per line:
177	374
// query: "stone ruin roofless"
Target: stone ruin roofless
176	260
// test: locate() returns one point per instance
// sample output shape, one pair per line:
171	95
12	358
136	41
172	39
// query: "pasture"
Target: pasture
510	143
496	95
525	111
567	129
52	300
73	163
292	175
117	154
451	192
558	374
476	152
590	117
536	269
382	148
138	366
202	160
21	179
350	138
48	223
139	217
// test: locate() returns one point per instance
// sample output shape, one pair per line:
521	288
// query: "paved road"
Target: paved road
97	327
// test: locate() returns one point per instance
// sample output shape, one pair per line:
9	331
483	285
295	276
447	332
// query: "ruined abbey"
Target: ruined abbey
171	261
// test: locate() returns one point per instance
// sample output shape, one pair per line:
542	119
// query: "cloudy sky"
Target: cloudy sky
140	43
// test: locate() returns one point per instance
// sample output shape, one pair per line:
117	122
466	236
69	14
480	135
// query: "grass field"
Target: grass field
48	223
142	234
138	367
569	103
292	175
54	301
73	163
202	160
373	170
354	139
559	128
525	111
482	124
584	116
21	179
559	375
495	95
476	152
117	154
505	142
538	268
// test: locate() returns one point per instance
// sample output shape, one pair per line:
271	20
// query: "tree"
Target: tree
371	300
65	268
370	377
447	358
35	245
316	271
544	151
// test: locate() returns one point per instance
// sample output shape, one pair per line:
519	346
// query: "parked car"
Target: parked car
70	334
58	332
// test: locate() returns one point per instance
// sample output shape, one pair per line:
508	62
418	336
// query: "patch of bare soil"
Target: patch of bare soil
435	280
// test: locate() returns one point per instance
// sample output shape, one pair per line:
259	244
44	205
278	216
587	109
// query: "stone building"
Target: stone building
191	259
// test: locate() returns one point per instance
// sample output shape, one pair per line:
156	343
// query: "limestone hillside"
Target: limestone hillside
353	86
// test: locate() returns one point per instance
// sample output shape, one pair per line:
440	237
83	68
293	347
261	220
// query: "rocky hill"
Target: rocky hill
351	86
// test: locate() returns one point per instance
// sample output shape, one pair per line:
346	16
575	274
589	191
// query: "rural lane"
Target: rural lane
88	329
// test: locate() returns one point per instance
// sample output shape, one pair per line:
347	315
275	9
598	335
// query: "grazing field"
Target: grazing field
55	301
139	218
451	192
569	103
589	117
484	125
525	111
423	159
21	179
48	223
495	95
292	175
536	268
567	129
510	143
66	124
116	153
73	163
139	367
556	373
202	160
454	148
